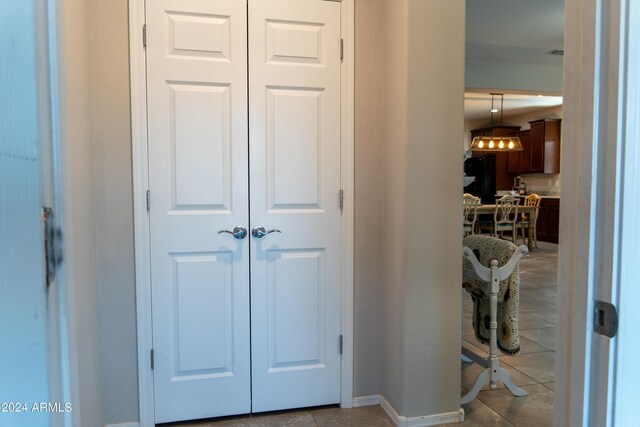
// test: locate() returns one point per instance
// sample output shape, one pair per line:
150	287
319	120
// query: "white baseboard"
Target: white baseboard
423	421
366	401
131	424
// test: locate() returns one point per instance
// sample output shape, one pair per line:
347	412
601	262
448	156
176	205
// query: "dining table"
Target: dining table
490	209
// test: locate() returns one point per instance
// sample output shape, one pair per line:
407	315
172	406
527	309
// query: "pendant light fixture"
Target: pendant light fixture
496	143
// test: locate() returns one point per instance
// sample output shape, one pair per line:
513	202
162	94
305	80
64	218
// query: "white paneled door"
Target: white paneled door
244	106
294	98
198	182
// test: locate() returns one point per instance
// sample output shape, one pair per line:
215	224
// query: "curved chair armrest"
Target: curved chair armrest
483	273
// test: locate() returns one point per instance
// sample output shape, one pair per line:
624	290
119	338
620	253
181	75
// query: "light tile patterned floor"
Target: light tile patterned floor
372	416
533	369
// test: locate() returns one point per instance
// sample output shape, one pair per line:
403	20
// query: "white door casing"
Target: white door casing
595	381
198	179
294	104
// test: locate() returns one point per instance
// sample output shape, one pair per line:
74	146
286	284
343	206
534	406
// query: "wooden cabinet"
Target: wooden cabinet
504	180
520	161
537	147
548	225
545	146
541	149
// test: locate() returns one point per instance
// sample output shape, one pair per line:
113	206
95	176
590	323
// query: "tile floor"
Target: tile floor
532	369
373	416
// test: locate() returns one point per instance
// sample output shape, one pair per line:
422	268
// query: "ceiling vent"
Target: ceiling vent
555	52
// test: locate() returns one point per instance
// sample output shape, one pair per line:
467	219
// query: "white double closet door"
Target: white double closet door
244	131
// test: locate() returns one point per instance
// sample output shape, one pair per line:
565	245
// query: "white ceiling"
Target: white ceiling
477	105
531	24
518	32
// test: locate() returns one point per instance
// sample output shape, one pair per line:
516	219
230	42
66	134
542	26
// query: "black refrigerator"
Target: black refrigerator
484	170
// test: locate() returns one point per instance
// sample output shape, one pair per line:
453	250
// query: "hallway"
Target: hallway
532	369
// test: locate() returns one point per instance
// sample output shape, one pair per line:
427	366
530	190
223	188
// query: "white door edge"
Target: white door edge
141	219
589	245
138	71
625	391
347	121
62	340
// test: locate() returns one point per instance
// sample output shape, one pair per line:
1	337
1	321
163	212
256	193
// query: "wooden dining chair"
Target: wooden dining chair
529	220
505	217
470	213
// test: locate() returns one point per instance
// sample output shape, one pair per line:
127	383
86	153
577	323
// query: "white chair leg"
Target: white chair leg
482	379
504	376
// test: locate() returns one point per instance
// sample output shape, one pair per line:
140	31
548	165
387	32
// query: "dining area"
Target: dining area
511	217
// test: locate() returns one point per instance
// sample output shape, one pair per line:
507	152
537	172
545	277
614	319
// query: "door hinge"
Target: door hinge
52	246
340	343
341	199
341	49
144	35
605	319
148	200
153	360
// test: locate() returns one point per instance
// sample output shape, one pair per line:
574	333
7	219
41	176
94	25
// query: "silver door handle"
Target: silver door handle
259	231
239	232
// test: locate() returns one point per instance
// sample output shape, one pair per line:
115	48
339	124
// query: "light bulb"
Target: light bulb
491	144
501	144
494	110
511	145
480	144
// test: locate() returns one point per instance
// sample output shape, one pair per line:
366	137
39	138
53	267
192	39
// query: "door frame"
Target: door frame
141	219
598	179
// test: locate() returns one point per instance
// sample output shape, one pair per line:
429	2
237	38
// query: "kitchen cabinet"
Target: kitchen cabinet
544	156
541	149
504	181
520	161
548	225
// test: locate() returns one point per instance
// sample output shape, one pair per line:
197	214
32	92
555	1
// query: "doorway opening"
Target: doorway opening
514	90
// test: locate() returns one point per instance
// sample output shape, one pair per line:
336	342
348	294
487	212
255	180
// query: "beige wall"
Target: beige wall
369	182
434	179
76	165
424	84
394	229
111	137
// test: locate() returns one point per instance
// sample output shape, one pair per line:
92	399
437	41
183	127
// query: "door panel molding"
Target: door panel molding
199	184
295	162
141	184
